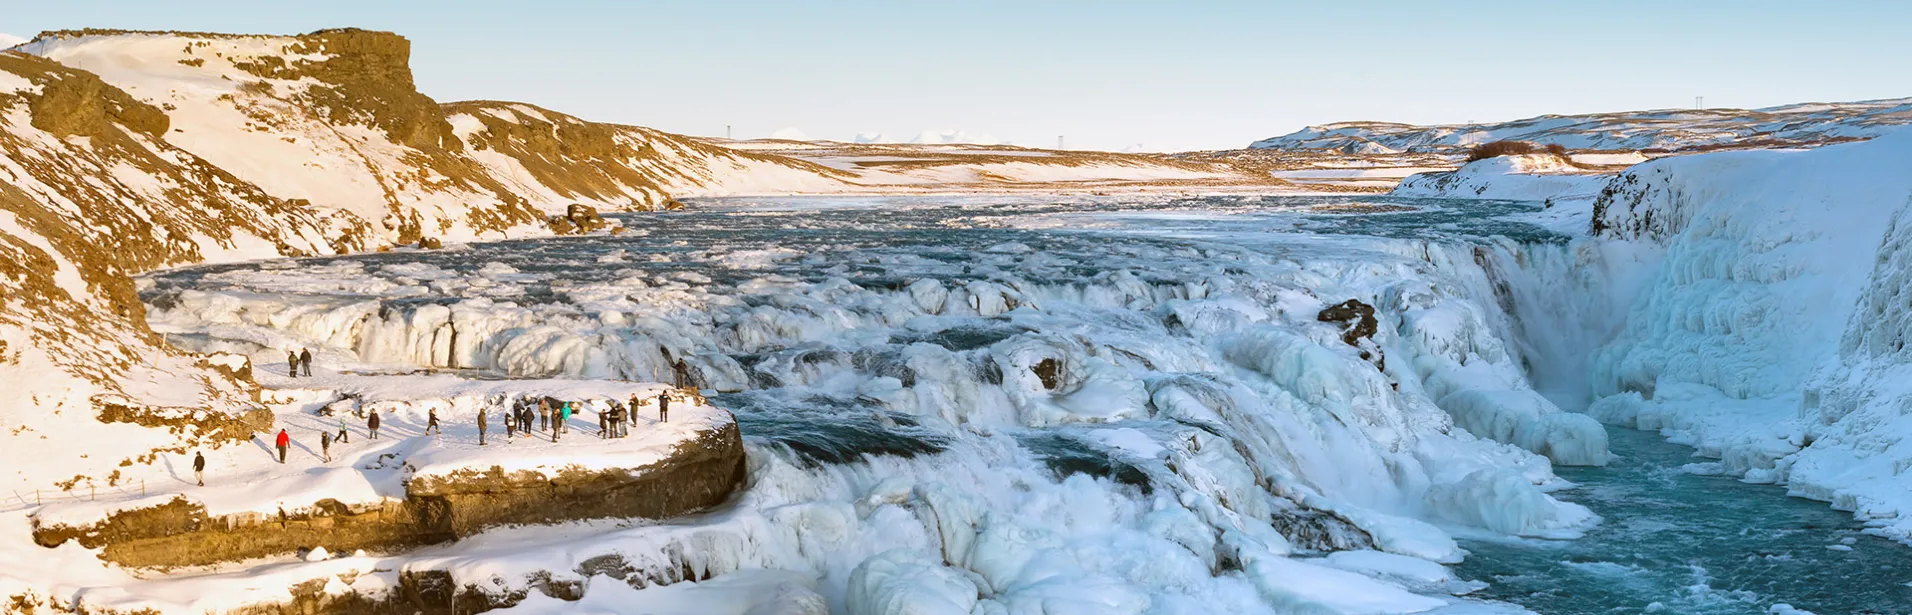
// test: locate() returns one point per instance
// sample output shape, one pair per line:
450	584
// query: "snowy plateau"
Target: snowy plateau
561	366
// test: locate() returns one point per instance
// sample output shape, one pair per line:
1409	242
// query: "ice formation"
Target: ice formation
996	421
1768	334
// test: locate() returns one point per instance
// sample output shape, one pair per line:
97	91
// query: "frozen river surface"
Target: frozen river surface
1096	405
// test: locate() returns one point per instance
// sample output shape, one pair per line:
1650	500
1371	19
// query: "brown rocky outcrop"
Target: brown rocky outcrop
578	219
1359	323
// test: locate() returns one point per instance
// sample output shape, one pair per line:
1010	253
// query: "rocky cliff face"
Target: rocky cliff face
554	158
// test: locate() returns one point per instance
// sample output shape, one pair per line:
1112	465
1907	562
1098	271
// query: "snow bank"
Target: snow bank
1524	177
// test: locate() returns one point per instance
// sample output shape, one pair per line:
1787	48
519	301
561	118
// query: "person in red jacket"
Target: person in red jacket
285	440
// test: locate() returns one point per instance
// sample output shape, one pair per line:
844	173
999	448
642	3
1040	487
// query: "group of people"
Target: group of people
618	420
553	416
300	359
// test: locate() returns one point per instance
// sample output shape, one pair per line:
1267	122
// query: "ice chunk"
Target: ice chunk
907	582
1303	587
1527	420
1502	501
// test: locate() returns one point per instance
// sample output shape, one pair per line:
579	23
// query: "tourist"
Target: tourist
481	427
544	414
291	364
664	407
305	359
325	446
344	436
371	424
199	468
283	441
431	423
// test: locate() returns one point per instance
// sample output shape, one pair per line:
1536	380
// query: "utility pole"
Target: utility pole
1699	102
726	131
1059	142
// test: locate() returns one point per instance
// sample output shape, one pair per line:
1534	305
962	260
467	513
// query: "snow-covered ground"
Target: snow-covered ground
965	402
364	473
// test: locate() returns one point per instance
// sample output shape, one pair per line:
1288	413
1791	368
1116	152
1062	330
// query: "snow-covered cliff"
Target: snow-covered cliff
1770	331
91	193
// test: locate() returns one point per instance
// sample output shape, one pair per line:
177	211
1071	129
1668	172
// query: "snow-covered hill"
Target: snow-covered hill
90	193
332	120
1524	177
1800	125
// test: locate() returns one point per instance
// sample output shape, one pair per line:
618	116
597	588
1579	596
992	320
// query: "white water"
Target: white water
1012	405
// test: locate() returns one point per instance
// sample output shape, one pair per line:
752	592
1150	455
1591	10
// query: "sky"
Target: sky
1113	75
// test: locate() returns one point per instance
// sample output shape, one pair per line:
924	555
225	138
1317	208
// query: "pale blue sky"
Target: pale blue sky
1109	75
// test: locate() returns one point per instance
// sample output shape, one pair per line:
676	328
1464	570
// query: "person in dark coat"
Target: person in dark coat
291	364
199	467
305	361
682	370
527	415
371	424
511	423
431	422
664	407
325	446
604	423
481	427
283	441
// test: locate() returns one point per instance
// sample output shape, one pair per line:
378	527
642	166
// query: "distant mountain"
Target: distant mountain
1668	130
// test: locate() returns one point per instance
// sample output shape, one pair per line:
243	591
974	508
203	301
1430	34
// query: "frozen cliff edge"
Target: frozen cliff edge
1770	334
